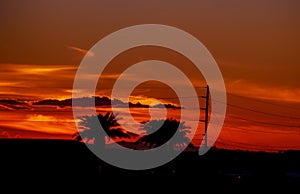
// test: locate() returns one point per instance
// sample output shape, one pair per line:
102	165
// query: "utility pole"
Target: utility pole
206	115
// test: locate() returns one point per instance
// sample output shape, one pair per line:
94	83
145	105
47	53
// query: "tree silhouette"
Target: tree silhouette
165	131
91	131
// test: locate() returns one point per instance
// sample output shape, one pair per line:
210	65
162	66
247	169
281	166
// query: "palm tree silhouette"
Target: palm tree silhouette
92	132
166	129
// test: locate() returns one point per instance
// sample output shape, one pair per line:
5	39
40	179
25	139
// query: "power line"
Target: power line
255	145
255	130
235	147
248	146
264	102
261	122
262	131
258	111
236	106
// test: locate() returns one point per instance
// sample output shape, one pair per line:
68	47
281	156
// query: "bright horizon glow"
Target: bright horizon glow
236	134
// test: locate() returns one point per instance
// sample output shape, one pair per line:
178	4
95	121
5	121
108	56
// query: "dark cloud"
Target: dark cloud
99	101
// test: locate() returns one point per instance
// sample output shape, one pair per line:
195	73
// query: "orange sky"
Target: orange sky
255	44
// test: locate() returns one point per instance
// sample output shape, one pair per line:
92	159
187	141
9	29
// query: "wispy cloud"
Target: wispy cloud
21	69
249	89
8	84
17	131
81	51
40	70
44	118
110	76
36	80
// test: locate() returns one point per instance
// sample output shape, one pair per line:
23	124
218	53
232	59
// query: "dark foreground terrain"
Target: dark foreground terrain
50	164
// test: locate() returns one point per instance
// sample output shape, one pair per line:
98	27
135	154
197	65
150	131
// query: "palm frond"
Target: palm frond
91	129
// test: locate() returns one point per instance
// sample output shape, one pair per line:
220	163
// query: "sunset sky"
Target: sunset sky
255	43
